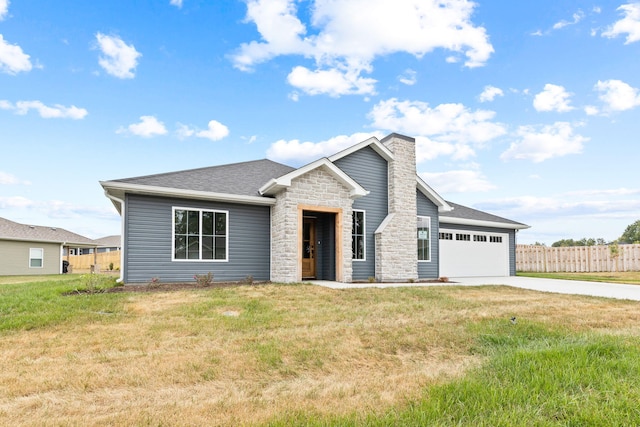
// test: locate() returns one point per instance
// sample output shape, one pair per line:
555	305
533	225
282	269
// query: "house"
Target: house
35	250
109	243
358	215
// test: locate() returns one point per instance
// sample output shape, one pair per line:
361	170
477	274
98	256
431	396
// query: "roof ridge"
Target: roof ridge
153	175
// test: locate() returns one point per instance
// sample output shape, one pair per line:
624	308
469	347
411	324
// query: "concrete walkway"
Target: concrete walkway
575	287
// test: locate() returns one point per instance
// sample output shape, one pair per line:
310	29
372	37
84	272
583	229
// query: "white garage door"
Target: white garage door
473	253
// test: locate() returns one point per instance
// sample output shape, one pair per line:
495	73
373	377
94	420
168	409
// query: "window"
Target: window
358	242
479	238
200	235
446	236
463	237
424	238
36	256
495	239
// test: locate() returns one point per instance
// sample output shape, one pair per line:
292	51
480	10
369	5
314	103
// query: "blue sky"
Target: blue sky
528	110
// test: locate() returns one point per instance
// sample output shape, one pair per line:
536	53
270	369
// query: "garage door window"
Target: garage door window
424	238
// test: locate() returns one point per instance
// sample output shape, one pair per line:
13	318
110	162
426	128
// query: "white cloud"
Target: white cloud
177	3
215	131
4	9
452	124
541	143
591	110
409	77
118	59
298	152
489	93
629	25
552	98
8	179
333	82
458	181
12	59
577	17
348	38
147	127
617	95
56	112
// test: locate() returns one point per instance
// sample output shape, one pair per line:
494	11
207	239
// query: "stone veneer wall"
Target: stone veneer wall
316	188
396	245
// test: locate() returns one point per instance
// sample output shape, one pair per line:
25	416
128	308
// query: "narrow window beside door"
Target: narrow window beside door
358	241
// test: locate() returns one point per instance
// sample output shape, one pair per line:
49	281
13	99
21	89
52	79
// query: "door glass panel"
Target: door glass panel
306	240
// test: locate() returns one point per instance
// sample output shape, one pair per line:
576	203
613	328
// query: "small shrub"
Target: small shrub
204	279
371	279
110	266
154	282
443	279
94	283
249	280
412	280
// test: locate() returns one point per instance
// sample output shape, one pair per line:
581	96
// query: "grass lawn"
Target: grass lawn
631	277
281	355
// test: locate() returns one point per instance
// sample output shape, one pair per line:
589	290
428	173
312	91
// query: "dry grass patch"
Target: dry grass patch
239	356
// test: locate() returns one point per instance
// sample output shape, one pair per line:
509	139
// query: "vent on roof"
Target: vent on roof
53	229
32	227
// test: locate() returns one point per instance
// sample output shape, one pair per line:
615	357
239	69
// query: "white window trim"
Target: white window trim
364	235
428	218
173	234
41	258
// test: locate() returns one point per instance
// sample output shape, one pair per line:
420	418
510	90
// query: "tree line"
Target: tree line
631	235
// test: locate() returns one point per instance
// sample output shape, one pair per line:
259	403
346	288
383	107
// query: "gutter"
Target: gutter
115	199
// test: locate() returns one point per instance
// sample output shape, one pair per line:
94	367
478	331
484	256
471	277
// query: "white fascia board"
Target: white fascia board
65	243
481	223
375	144
431	194
384	223
117	189
275	185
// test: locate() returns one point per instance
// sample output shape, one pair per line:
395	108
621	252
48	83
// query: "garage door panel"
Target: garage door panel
468	258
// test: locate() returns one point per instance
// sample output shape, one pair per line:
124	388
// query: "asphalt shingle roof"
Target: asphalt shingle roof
237	178
10	230
109	241
460	211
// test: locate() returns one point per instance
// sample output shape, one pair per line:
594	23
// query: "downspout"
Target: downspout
106	193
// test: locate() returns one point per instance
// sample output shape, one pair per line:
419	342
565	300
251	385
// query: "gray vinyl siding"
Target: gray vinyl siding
371	172
512	239
148	242
14	258
429	269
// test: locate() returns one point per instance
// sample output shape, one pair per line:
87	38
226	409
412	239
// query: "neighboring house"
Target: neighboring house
31	249
109	244
358	215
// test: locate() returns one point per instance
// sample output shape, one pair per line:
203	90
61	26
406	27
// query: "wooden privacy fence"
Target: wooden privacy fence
577	259
84	263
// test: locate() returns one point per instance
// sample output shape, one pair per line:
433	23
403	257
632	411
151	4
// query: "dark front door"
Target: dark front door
309	248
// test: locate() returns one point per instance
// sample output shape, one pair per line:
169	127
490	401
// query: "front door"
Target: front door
309	248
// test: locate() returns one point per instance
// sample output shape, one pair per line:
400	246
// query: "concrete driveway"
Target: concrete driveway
575	287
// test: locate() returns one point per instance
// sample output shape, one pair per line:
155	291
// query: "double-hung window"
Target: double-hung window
358	241
36	257
424	238
200	234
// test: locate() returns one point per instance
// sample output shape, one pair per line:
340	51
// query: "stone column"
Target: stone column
396	240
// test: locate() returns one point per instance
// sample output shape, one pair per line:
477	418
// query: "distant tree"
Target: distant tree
631	234
582	242
539	244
